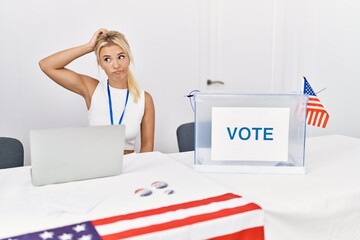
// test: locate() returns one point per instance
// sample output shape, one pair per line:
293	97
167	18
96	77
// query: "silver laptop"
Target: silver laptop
71	154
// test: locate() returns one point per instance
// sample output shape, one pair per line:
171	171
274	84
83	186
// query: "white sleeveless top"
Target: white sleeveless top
99	112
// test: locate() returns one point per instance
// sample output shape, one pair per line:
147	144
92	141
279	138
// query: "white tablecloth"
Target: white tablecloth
323	204
26	209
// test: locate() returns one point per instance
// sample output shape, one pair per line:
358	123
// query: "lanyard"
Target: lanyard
110	105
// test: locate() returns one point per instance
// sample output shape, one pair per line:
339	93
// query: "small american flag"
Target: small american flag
316	115
221	217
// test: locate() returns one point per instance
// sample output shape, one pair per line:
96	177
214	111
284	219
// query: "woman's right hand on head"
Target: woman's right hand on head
96	36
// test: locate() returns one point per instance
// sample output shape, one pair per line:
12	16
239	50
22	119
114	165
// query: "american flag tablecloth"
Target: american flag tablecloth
226	216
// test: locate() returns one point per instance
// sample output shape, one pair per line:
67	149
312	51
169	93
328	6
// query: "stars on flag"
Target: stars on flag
46	235
80	231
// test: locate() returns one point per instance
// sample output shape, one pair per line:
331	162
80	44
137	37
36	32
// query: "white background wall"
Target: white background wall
322	43
164	40
320	40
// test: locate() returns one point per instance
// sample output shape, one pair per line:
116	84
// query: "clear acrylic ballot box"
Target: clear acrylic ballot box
250	133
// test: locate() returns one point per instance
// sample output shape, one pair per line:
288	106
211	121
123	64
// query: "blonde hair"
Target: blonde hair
117	38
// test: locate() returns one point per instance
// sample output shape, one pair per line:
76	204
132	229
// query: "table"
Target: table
199	208
323	204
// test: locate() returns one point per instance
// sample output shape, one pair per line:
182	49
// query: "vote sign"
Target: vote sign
249	134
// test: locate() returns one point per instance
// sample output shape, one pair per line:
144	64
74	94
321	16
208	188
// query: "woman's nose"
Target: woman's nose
116	65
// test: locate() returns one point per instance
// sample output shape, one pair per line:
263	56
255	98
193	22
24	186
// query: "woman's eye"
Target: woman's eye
106	59
121	56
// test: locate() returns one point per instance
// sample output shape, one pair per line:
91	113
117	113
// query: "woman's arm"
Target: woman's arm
54	67
148	125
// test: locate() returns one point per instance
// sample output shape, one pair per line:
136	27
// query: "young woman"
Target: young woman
119	99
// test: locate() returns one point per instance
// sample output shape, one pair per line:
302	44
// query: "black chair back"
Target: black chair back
185	134
11	153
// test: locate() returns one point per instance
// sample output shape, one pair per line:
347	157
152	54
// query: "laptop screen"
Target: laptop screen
71	154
